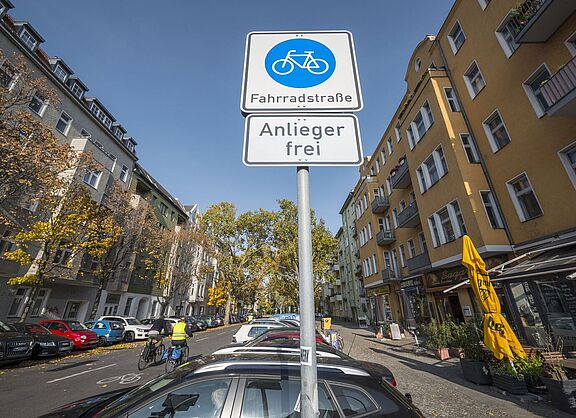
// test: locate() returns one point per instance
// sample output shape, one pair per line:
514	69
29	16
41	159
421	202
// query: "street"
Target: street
42	386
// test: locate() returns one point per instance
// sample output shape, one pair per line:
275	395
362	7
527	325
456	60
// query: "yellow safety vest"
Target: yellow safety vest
179	332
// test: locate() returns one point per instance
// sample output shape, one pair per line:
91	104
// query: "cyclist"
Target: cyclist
180	333
160	327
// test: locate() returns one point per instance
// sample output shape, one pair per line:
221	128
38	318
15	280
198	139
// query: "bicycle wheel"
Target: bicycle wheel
283	66
159	353
340	343
143	359
184	356
317	66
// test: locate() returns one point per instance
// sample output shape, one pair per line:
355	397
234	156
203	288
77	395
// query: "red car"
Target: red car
74	330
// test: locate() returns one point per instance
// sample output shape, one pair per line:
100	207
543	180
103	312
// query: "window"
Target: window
387	260
8	75
28	39
92	178
571	44
100	115
369	230
354	401
37	307
484	3
372	171
62	256
417	64
433	168
470	149
6	244
496	131
163	208
568	158
388	185
420	125
532	87
452	101
422	240
402	256
398	132
456	37
37	104
491	209
77	90
124	174
60	73
118	133
130	146
64	123
524	198
402	205
199	399
18	301
375	263
411	248
505	35
395	217
377	165
85	134
474	80
447	224
390	146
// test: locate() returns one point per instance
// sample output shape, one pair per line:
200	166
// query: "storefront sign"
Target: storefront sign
414	282
455	275
383	290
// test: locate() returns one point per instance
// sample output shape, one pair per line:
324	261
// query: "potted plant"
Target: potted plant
455	337
436	339
531	368
560	382
474	366
506	377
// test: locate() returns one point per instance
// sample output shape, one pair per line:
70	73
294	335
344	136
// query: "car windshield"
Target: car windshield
133	321
76	326
5	327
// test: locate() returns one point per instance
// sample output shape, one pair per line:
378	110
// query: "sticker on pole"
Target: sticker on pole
303	139
300	71
306	356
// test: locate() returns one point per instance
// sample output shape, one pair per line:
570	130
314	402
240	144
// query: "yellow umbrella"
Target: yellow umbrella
498	336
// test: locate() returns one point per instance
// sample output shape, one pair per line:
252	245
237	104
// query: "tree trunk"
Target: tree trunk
102	286
227	311
28	302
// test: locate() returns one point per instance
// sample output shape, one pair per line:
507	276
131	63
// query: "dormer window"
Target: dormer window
102	117
130	145
118	133
60	73
28	39
77	90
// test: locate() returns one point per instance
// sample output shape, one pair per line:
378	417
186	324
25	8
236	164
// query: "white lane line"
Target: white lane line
78	374
201	339
221	333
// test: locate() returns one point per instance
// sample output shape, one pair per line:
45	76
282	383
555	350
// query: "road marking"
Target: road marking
200	339
123	380
78	374
221	333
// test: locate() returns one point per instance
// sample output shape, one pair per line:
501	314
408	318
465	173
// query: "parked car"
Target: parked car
133	328
109	332
81	336
200	323
220	320
190	322
15	346
248	332
250	386
209	320
46	344
282	322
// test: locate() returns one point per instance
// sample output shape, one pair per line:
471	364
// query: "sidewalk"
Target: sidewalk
438	388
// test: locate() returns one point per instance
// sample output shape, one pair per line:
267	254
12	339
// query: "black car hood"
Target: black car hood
48	337
12	334
87	406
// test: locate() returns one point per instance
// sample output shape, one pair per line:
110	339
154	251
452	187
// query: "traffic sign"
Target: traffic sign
300	71
301	140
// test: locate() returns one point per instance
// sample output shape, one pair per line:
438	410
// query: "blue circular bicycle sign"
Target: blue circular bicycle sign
300	63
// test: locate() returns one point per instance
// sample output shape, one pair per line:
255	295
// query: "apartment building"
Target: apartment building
87	126
483	143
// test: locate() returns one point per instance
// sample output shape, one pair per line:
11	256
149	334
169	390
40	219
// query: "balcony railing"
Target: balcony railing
536	20
409	217
390	275
380	204
559	91
401	176
385	237
418	263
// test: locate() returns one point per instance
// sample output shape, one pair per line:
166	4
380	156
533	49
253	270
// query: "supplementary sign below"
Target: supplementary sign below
300	71
303	139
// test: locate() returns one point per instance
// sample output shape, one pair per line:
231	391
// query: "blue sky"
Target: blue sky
171	72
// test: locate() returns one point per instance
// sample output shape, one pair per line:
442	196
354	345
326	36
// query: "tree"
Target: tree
240	239
284	277
32	158
56	240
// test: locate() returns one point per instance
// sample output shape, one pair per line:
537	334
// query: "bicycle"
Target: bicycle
152	353
314	66
172	363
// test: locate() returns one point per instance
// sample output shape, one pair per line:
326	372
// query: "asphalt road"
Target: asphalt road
36	388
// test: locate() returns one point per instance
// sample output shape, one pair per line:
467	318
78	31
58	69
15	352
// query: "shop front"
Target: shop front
384	304
413	298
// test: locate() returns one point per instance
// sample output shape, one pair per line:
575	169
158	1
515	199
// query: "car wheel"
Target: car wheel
129	336
102	341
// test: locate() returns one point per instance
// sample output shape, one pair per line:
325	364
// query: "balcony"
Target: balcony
409	217
390	275
400	175
338	282
536	20
338	298
354	232
419	263
380	204
385	237
559	91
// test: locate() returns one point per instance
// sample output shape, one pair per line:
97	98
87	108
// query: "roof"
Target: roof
346	202
60	61
77	80
156	185
101	106
30	28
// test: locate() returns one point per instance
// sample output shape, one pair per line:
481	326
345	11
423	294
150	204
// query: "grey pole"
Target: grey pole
309	379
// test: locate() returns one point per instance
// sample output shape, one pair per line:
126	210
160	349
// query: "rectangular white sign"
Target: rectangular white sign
302	140
299	72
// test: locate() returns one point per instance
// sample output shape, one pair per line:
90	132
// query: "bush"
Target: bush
437	335
469	337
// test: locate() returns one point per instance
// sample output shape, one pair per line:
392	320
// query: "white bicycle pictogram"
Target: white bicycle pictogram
123	380
286	65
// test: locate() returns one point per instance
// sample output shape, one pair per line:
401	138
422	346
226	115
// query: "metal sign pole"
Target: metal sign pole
309	379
